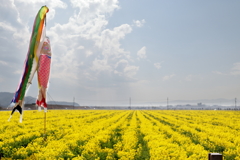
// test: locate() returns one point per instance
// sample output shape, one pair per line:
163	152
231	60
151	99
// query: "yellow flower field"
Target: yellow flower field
120	134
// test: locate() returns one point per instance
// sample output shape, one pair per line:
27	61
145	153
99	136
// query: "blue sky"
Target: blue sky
105	51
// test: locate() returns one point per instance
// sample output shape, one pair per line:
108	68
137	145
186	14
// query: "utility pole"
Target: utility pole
167	102
73	101
130	103
235	103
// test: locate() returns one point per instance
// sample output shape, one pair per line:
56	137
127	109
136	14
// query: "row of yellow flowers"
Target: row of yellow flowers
212	129
66	131
165	143
125	135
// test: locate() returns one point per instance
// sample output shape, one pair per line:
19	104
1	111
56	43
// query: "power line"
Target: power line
51	98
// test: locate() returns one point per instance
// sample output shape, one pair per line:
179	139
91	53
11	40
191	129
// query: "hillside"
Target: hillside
6	97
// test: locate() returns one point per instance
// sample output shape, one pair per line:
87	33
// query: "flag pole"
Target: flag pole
45	117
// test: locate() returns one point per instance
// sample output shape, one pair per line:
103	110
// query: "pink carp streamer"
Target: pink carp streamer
44	72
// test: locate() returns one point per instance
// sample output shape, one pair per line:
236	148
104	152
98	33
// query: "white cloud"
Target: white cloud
10	8
80	47
19	34
67	64
101	65
7	26
123	68
3	63
88	27
139	23
121	64
35	5
168	77
89	76
157	65
235	69
219	73
56	4
19	17
109	41
142	52
92	7
189	78
18	72
130	71
88	53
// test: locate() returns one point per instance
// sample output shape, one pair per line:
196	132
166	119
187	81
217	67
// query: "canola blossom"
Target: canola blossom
121	134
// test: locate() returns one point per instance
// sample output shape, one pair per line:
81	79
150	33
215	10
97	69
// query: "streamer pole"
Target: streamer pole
45	117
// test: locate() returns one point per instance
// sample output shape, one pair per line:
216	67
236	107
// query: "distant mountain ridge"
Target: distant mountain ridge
218	101
6	97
